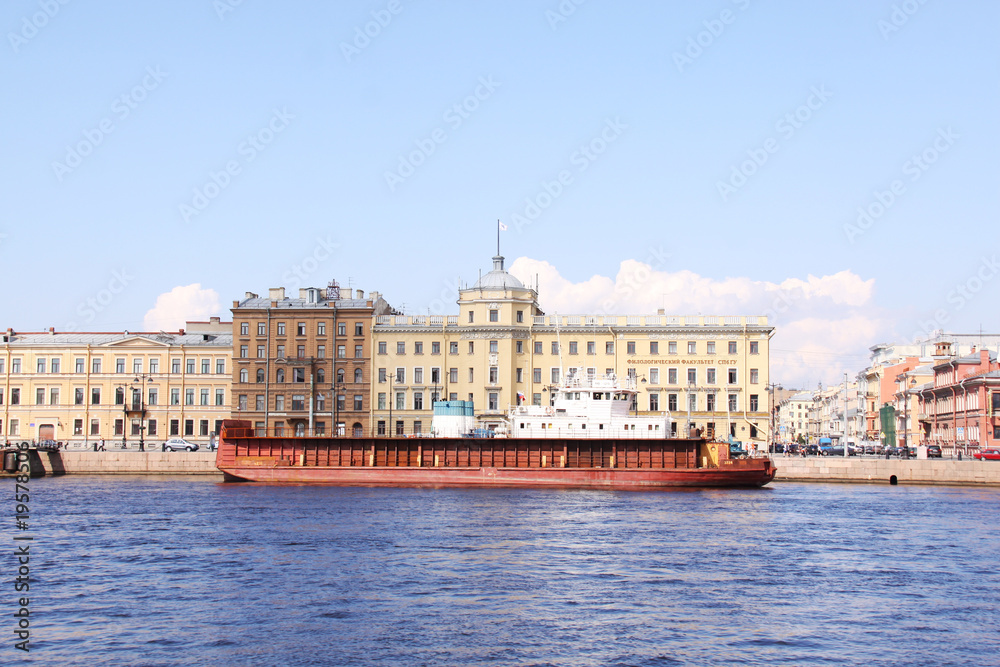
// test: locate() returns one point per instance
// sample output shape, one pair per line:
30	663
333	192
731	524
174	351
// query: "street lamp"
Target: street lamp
141	381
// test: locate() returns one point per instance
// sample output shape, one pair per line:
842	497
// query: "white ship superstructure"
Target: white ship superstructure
588	406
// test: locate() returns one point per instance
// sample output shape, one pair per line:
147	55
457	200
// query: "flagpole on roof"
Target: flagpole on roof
498	236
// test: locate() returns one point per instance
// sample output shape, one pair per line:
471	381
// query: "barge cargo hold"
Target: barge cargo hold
619	463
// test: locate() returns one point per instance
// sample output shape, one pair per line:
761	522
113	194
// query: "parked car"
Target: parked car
992	454
933	451
175	444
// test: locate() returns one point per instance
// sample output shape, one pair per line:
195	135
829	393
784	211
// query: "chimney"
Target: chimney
249	295
661	311
361	294
179	331
276	293
213	320
52	330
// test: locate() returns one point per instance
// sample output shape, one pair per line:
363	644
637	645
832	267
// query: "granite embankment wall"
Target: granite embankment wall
879	471
790	469
129	463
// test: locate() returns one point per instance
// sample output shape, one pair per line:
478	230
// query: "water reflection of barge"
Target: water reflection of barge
587	438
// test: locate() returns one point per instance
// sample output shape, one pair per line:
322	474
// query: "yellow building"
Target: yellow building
708	372
120	388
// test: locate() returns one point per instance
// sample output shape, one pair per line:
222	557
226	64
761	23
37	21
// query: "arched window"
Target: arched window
260	375
280	375
340	376
357	376
244	375
320	375
356	430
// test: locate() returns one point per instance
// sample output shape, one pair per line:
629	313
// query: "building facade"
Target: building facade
501	349
120	388
302	366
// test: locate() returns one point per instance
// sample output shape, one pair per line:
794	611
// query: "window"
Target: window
258	402
261	329
573	347
300	329
692	347
672	402
400	348
472	347
244	353
220	366
609	348
281	328
359	328
359	351
153	396
175	396
538	347
119	427
341	351
519	316
654	347
400	376
519	347
95	427
654	376
536	399
188	427
400	400
175	428
519	373
494	315
54	366
672	347
418	376
261	353
298	402
555	347
754	402
732	347
554	374
189	397
436	347
710	402
206	366
418	347
340	376
359	402
203	427
692	402
494	374
472	374
591	347
418	400
654	401
95	366
435	376
279	403
470	317
754	375
453	375
630	347
78	396
381	347
321	351
536	374
341	328
381	375
300	351
732	376
710	376
358	376
260	375
380	427
244	328
119	396
381	400
494	347
692	375
754	347
280	351
710	347
493	401
298	375
321	328
399	427
220	397
95	396
732	403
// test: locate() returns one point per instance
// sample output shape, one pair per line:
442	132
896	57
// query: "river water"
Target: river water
181	570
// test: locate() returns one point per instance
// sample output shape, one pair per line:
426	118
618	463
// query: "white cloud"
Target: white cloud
179	305
824	325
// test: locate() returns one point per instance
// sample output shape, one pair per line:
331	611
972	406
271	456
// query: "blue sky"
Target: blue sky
714	155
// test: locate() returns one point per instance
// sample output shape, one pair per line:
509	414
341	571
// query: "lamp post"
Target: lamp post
771	387
141	381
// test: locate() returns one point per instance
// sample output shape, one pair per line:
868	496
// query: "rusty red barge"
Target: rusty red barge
619	463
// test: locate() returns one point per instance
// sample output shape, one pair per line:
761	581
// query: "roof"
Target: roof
47	339
498	278
262	303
